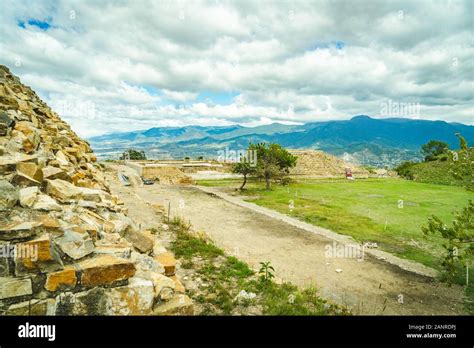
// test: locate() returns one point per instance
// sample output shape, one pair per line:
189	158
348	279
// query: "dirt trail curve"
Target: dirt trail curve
297	254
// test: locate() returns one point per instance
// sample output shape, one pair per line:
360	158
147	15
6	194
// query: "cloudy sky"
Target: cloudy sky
108	66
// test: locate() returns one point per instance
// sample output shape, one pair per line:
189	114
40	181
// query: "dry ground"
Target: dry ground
366	286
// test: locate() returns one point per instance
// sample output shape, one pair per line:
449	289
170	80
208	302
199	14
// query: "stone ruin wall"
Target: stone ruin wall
67	246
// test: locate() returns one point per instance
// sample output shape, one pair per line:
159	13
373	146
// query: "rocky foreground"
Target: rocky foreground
67	246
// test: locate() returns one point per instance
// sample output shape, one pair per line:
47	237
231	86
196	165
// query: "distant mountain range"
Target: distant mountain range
362	139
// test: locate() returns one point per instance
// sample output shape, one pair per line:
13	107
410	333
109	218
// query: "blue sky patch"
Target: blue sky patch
152	90
324	45
43	25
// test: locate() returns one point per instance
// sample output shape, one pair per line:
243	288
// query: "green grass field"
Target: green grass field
389	212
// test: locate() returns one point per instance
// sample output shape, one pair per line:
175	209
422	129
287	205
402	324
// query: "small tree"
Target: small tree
459	236
244	168
273	161
132	154
462	163
434	149
404	171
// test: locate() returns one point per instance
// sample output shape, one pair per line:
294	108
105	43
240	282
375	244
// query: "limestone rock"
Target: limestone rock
62	190
5	268
163	285
44	202
145	263
158	248
61	280
8	163
178	286
75	245
178	305
33	307
28	196
8	195
135	299
24	181
168	261
139	241
105	270
37	255
31	170
5	123
90	302
118	250
19	230
15	287
62	159
51	173
48	222
31	135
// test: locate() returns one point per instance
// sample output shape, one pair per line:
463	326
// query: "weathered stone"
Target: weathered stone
92	194
62	159
44	202
8	163
113	249
8	195
75	245
161	284
62	190
37	254
5	123
33	307
61	280
135	299
31	170
48	222
23	180
158	248
90	302
14	287
178	305
140	241
104	270
145	263
28	196
31	135
178	286
87	204
19	230
5	254
52	173
168	261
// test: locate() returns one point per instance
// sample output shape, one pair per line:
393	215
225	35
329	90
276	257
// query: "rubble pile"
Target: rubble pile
312	163
67	246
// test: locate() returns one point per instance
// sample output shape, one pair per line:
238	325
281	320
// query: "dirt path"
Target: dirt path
298	255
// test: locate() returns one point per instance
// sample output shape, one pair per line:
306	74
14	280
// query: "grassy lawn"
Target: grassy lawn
389	212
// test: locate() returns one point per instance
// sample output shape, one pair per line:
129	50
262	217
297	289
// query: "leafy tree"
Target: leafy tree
462	164
273	161
434	149
404	170
245	168
132	154
459	236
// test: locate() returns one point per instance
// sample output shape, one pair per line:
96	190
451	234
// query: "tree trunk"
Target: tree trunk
267	181
243	184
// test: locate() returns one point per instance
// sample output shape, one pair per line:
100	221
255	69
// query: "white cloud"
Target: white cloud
100	63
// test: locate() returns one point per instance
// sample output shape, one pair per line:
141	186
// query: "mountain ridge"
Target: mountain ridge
362	138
